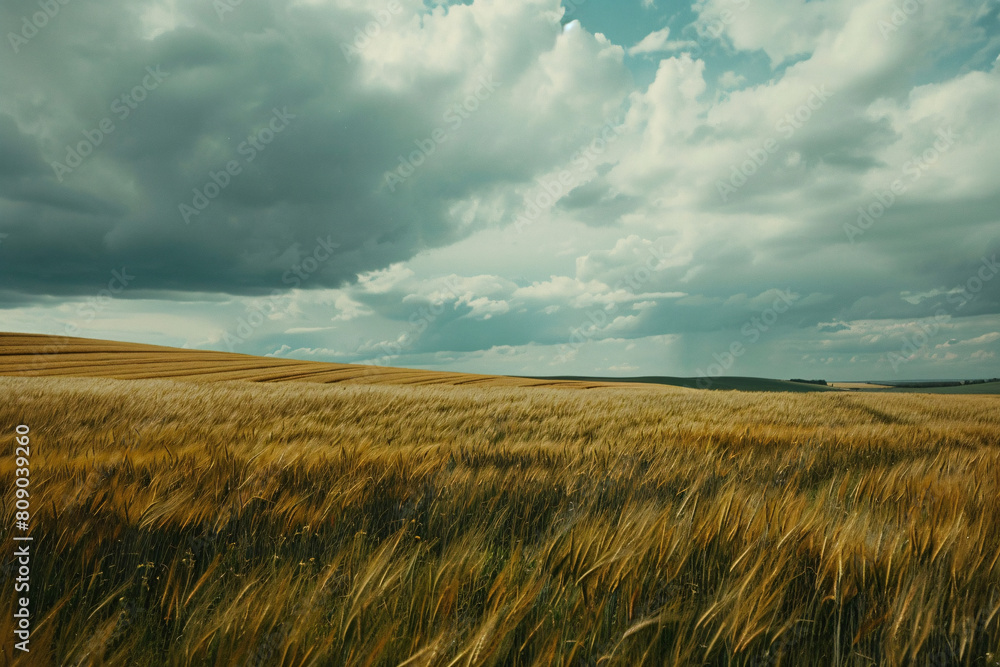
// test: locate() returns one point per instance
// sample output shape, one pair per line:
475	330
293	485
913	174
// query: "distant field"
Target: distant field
984	388
725	383
866	386
30	355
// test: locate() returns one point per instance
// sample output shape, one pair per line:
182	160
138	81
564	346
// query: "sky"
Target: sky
527	187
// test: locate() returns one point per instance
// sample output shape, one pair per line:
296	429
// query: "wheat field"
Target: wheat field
37	355
239	523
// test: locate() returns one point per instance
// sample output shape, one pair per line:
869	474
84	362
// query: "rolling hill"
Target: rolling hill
36	355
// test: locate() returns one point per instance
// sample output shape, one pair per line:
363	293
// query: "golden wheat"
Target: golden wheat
236	523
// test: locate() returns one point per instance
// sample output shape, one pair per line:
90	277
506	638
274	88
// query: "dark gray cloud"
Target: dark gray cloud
218	87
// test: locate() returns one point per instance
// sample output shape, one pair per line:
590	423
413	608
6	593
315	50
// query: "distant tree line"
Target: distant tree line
912	385
956	383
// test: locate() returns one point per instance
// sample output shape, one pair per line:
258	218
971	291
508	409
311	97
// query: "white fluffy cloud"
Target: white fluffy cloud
658	41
